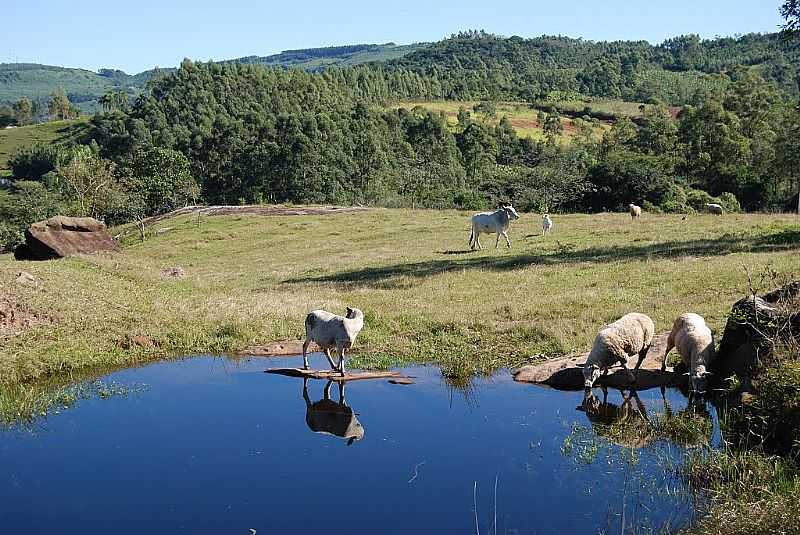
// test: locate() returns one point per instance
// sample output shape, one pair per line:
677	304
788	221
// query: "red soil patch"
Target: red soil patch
15	318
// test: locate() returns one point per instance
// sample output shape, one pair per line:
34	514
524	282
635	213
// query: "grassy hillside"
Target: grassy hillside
522	116
338	56
251	279
12	139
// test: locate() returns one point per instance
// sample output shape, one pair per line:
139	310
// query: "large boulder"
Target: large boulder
62	236
754	326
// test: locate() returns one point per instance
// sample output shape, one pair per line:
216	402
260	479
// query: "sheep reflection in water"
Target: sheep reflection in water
628	424
330	417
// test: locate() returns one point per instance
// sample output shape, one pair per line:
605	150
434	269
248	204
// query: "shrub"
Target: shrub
729	202
33	162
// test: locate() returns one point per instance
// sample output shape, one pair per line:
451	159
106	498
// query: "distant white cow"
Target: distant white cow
489	222
547	224
636	211
714	208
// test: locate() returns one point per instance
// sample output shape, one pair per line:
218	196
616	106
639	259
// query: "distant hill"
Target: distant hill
312	59
85	87
476	65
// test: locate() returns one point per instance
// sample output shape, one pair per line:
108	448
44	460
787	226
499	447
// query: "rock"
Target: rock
26	279
175	272
401	381
335	375
753	325
566	373
61	236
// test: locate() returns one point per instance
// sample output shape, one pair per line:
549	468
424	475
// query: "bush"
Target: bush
33	162
729	202
10	236
468	200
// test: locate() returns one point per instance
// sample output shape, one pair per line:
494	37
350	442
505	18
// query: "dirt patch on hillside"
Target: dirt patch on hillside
255	209
15	318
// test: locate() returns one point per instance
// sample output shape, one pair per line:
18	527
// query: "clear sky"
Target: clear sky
140	34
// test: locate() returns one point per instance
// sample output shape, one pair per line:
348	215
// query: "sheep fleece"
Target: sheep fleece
626	336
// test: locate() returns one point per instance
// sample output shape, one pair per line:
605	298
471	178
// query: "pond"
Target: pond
214	445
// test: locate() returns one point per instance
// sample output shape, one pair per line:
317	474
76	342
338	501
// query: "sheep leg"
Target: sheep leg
341	350
342	401
508	242
642	355
670	345
305	351
330	358
326	392
624	362
305	393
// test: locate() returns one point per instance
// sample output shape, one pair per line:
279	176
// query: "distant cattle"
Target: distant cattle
547	224
635	211
714	208
492	222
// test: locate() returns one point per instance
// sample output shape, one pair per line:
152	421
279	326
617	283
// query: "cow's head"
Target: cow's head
512	214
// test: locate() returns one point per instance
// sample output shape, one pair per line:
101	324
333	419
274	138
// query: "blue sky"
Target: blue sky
134	36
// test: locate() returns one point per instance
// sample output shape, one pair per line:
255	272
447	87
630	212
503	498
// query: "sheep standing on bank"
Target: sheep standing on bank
693	339
636	211
714	208
547	224
630	335
330	331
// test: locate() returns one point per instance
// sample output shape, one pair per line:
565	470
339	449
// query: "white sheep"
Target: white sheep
714	208
636	211
547	224
695	343
630	335
330	331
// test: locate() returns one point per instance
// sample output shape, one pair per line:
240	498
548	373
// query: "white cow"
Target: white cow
547	224
714	208
489	222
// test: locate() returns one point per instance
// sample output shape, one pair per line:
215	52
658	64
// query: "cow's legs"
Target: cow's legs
497	241
508	242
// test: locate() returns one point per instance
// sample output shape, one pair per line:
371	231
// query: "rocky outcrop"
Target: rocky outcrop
754	326
61	236
566	373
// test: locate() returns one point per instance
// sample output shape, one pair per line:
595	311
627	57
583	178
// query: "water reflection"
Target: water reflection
333	418
628	423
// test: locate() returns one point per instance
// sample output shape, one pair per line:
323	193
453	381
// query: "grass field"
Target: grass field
12	139
523	118
252	279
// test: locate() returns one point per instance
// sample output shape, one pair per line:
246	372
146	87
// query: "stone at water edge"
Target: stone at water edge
62	236
566	373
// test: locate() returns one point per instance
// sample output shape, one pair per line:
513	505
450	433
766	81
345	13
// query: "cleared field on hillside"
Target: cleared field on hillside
522	117
12	139
252	279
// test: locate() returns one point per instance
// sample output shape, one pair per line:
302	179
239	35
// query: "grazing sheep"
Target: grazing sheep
714	208
329	330
488	222
636	211
630	335
331	418
693	339
547	224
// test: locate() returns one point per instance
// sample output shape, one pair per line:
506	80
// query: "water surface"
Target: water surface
213	445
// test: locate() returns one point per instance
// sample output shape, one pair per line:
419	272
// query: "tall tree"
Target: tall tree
60	107
790	11
23	110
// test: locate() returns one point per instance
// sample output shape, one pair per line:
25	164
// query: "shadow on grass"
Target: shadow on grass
784	240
